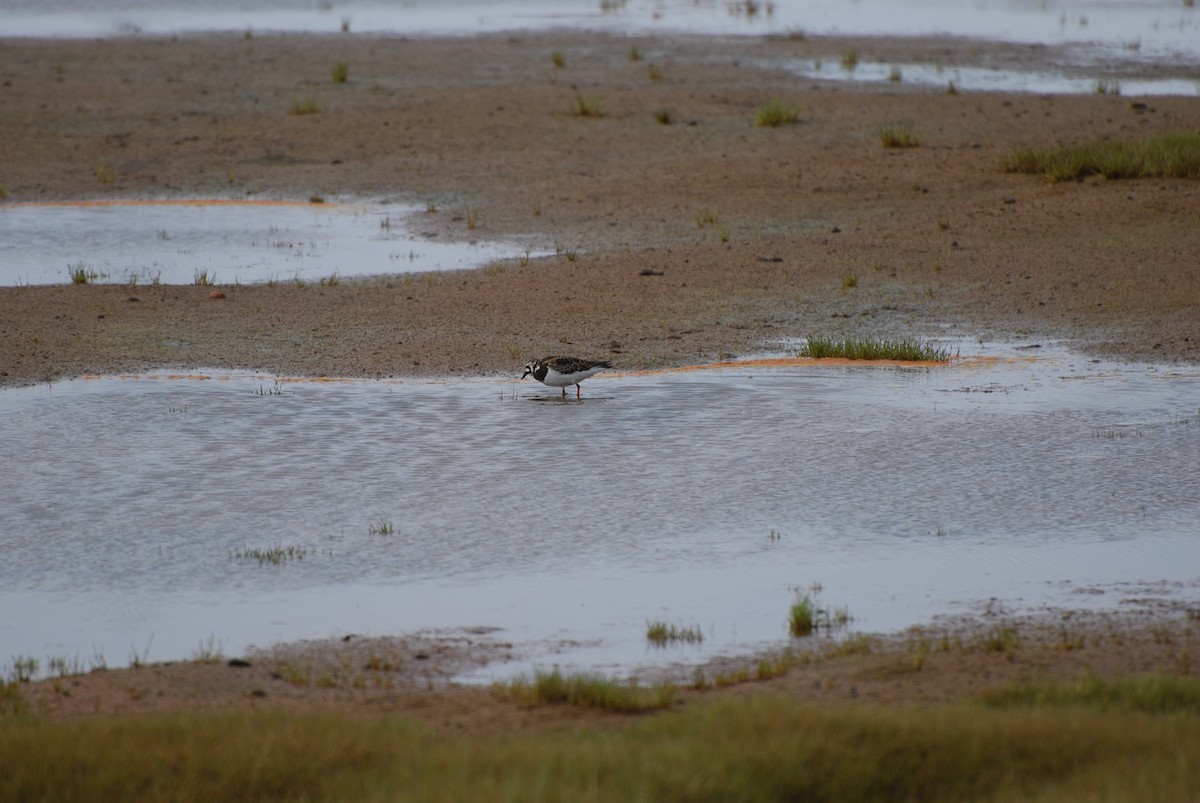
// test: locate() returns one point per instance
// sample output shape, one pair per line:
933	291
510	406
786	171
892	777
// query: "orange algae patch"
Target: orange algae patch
793	362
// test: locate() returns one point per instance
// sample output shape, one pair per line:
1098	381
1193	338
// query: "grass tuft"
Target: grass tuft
802	618
1172	155
660	633
862	349
586	107
340	72
275	555
586	690
381	526
897	135
305	105
775	114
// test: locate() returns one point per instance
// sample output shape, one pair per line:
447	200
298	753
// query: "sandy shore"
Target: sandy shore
689	242
749	232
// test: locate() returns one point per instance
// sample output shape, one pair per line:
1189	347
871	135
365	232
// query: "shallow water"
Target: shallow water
983	79
903	493
1093	33
177	242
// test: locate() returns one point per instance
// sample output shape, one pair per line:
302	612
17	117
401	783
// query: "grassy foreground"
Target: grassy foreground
1095	740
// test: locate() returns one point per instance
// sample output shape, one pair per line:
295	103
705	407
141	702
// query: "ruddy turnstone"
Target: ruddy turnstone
559	372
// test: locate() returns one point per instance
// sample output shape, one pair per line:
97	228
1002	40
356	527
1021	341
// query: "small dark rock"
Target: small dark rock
650	272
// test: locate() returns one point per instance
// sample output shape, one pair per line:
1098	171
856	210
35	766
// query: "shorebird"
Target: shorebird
559	372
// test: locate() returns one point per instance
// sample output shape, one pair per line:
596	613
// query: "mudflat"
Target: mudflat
683	241
683	233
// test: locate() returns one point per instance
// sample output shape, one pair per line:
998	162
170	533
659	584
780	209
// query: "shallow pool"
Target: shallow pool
215	241
136	510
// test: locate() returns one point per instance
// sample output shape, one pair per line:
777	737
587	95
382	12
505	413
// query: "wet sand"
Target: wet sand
678	244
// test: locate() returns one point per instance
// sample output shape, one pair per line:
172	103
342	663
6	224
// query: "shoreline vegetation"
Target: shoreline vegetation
1056	706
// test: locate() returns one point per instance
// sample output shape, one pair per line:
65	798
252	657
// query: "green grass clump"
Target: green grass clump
340	72
866	349
897	135
586	107
275	555
775	114
586	690
80	273
1150	694
802	616
381	526
1172	155
305	105
806	617
758	748
660	633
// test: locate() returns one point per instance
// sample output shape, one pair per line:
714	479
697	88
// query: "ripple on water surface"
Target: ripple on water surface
138	503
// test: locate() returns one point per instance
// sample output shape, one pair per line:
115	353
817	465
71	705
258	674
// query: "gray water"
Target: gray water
699	497
227	242
1093	39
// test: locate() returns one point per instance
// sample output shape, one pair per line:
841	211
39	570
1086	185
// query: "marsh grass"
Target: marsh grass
1172	155
305	105
586	107
1150	694
848	348
340	72
758	748
1000	638
660	633
802	616
775	114
849	59
897	135
80	273
275	555
586	690
807	617
202	278
381	526
558	59
23	669
209	651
